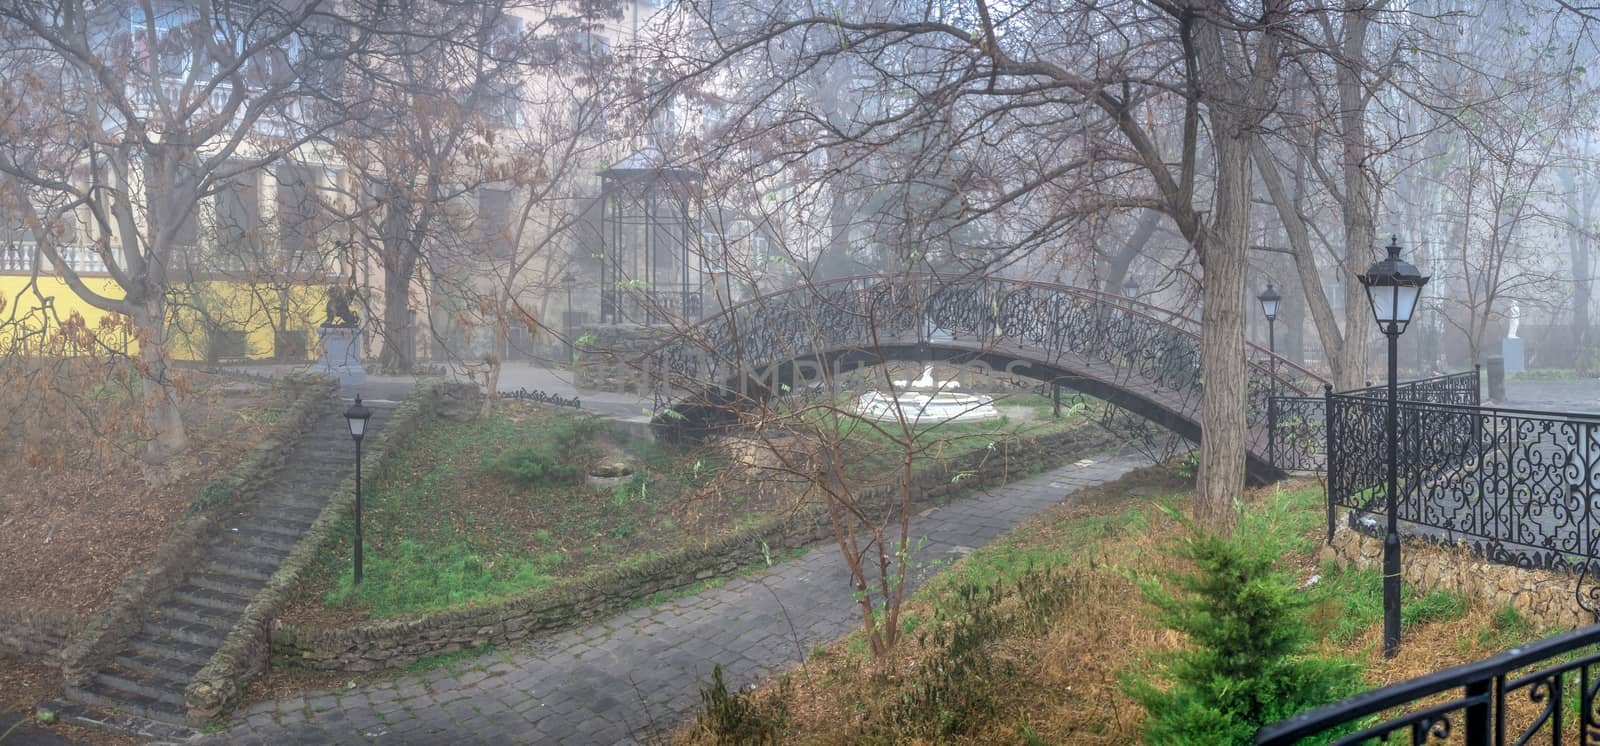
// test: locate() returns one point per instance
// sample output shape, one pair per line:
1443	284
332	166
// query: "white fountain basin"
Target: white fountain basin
926	409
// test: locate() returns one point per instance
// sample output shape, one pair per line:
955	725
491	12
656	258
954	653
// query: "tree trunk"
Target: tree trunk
495	358
1223	400
1580	203
1117	264
399	355
166	436
1298	236
1359	237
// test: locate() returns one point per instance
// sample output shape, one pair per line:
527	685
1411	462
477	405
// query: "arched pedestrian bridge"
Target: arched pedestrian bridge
1135	356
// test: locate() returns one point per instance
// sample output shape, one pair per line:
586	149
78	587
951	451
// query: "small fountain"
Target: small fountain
929	402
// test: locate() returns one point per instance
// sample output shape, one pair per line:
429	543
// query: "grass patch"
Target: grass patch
486	509
430	662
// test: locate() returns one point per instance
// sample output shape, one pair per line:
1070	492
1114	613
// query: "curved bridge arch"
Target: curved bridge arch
1139	357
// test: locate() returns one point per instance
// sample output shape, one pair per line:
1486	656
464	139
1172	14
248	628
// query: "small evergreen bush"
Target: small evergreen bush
554	458
1245	667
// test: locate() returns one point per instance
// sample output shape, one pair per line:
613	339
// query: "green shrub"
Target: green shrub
1246	666
735	718
554	458
215	493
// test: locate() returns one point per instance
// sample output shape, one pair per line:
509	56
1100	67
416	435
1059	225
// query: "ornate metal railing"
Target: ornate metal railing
1519	487
541	397
1299	430
1515	697
1451	388
1019	324
1297	434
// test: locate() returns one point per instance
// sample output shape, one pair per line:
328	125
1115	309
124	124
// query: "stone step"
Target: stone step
253	537
248	523
226	602
302	501
120	681
176	673
196	635
96	694
175	651
227	583
287	513
230	544
320	482
240	567
189	613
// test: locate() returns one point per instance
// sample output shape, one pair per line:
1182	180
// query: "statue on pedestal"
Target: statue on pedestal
1515	317
338	308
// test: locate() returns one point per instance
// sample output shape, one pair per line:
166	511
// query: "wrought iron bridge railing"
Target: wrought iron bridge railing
1543	692
1298	434
1125	344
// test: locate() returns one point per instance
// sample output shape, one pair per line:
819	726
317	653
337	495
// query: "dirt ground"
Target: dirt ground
76	515
73	529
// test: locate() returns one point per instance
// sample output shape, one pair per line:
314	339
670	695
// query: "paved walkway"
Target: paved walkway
636	674
1578	395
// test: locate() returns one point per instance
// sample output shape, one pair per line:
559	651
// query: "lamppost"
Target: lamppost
1269	308
568	282
1393	286
1130	289
357	416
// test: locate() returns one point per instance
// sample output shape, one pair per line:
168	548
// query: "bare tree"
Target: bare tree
117	121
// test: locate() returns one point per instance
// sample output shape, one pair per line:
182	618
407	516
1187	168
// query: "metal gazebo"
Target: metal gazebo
651	269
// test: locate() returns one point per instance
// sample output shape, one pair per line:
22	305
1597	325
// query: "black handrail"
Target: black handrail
1481	704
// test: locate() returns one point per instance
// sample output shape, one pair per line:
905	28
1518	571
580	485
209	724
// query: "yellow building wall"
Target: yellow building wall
248	314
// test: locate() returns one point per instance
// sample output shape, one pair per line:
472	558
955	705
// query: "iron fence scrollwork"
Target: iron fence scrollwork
1515	697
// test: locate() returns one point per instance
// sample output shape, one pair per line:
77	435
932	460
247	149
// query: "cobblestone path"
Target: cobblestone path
638	673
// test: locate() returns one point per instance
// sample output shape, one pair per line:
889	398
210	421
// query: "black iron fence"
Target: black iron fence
1298	430
1519	487
1545	691
541	397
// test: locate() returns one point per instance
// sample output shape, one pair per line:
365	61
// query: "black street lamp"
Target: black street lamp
1130	289
357	416
1393	286
1269	308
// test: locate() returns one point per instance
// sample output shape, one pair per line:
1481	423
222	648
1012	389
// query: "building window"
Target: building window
238	214
494	222
297	208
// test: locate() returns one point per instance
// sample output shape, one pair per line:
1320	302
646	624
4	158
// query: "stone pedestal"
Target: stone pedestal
1512	350
341	357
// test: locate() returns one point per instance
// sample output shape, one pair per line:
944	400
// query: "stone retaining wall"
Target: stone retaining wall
603	357
392	643
105	634
244	652
1544	597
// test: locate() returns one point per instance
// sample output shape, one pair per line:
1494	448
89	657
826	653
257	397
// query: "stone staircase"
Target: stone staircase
178	638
